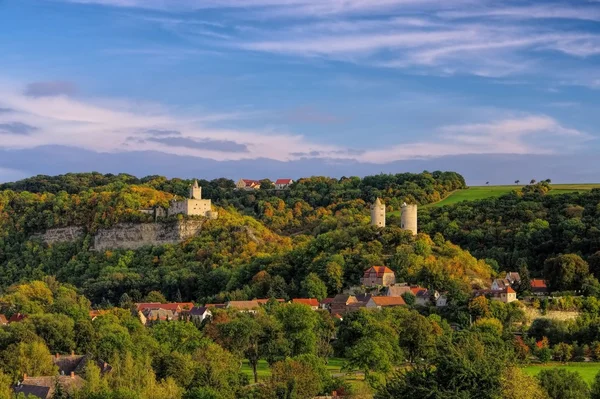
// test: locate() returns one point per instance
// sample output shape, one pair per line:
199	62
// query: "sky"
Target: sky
496	90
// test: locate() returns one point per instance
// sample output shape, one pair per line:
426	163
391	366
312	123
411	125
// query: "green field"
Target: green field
587	370
482	192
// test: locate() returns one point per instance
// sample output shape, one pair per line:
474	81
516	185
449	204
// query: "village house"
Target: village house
441	301
378	276
507	295
513	278
282	184
340	303
326	304
200	313
70	368
44	387
396	290
539	287
423	296
247	184
312	302
243	306
3	320
378	302
500	284
155	311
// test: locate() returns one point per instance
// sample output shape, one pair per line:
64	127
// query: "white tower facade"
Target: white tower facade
378	213
195	191
408	220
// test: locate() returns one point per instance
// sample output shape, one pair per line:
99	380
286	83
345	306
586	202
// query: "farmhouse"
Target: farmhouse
378	276
247	184
282	184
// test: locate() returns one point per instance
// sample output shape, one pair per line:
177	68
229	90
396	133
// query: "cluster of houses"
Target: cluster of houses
71	368
249	185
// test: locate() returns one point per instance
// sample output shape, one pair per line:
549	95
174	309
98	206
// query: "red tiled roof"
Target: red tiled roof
16	317
306	301
283	181
379	270
250	183
416	289
538	283
174	307
509	290
388	300
327	301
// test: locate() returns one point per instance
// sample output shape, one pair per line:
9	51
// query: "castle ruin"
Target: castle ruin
194	205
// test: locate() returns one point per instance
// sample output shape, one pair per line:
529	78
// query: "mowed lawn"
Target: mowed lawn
587	370
334	366
482	192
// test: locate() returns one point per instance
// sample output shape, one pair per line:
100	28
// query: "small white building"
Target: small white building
282	184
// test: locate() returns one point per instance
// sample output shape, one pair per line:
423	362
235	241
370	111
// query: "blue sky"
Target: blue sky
497	90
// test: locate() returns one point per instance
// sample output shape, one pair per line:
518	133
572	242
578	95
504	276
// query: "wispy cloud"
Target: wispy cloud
117	125
50	88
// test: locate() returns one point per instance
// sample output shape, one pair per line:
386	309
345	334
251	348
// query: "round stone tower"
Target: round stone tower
408	220
378	213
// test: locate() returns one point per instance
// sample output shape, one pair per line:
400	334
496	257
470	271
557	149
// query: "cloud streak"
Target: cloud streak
119	126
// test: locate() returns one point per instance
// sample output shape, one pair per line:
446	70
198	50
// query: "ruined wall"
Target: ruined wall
129	235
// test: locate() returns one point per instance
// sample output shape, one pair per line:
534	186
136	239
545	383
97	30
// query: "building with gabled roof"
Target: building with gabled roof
247	184
200	313
312	302
281	184
538	286
506	295
378	302
44	387
341	302
513	277
3	320
378	276
500	284
17	317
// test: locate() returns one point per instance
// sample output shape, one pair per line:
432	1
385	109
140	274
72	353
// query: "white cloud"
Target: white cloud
115	126
531	134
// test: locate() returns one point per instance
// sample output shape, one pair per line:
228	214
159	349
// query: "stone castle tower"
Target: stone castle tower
194	205
378	213
195	191
408	220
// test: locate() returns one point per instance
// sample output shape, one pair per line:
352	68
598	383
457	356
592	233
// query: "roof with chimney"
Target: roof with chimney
43	387
173	307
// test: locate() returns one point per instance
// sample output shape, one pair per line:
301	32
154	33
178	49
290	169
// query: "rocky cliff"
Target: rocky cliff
129	235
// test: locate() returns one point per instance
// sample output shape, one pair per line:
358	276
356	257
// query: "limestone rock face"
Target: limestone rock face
128	235
63	234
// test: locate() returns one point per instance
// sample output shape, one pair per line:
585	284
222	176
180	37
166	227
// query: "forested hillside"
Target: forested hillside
526	227
309	205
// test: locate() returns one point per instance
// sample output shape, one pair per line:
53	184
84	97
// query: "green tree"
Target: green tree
314	287
565	272
563	352
155	296
299	324
515	384
418	336
595	391
563	384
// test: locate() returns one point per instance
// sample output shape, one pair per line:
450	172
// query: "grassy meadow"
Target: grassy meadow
587	370
482	192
